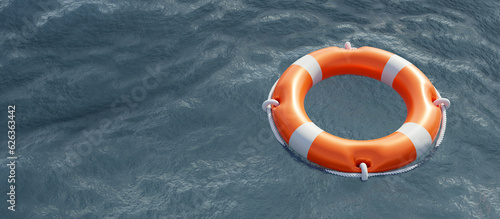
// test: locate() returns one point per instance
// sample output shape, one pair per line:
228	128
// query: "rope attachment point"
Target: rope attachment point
364	171
444	101
347	45
269	102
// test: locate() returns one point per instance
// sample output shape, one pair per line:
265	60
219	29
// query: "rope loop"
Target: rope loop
444	101
268	102
347	45
364	171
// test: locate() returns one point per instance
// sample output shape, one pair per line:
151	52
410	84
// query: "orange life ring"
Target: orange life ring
411	141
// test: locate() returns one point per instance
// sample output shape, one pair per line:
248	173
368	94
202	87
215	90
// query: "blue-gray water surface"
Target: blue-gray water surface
135	109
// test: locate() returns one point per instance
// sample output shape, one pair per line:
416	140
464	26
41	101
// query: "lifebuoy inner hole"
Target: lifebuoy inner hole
355	107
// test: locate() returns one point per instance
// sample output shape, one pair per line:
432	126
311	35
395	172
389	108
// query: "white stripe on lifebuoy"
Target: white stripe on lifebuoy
392	68
303	137
312	66
418	135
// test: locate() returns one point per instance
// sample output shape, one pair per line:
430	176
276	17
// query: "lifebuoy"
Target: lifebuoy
408	143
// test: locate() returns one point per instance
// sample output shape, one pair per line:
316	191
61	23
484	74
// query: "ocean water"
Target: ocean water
134	109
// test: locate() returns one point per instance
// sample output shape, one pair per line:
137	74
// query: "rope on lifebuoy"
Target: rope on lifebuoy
269	102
